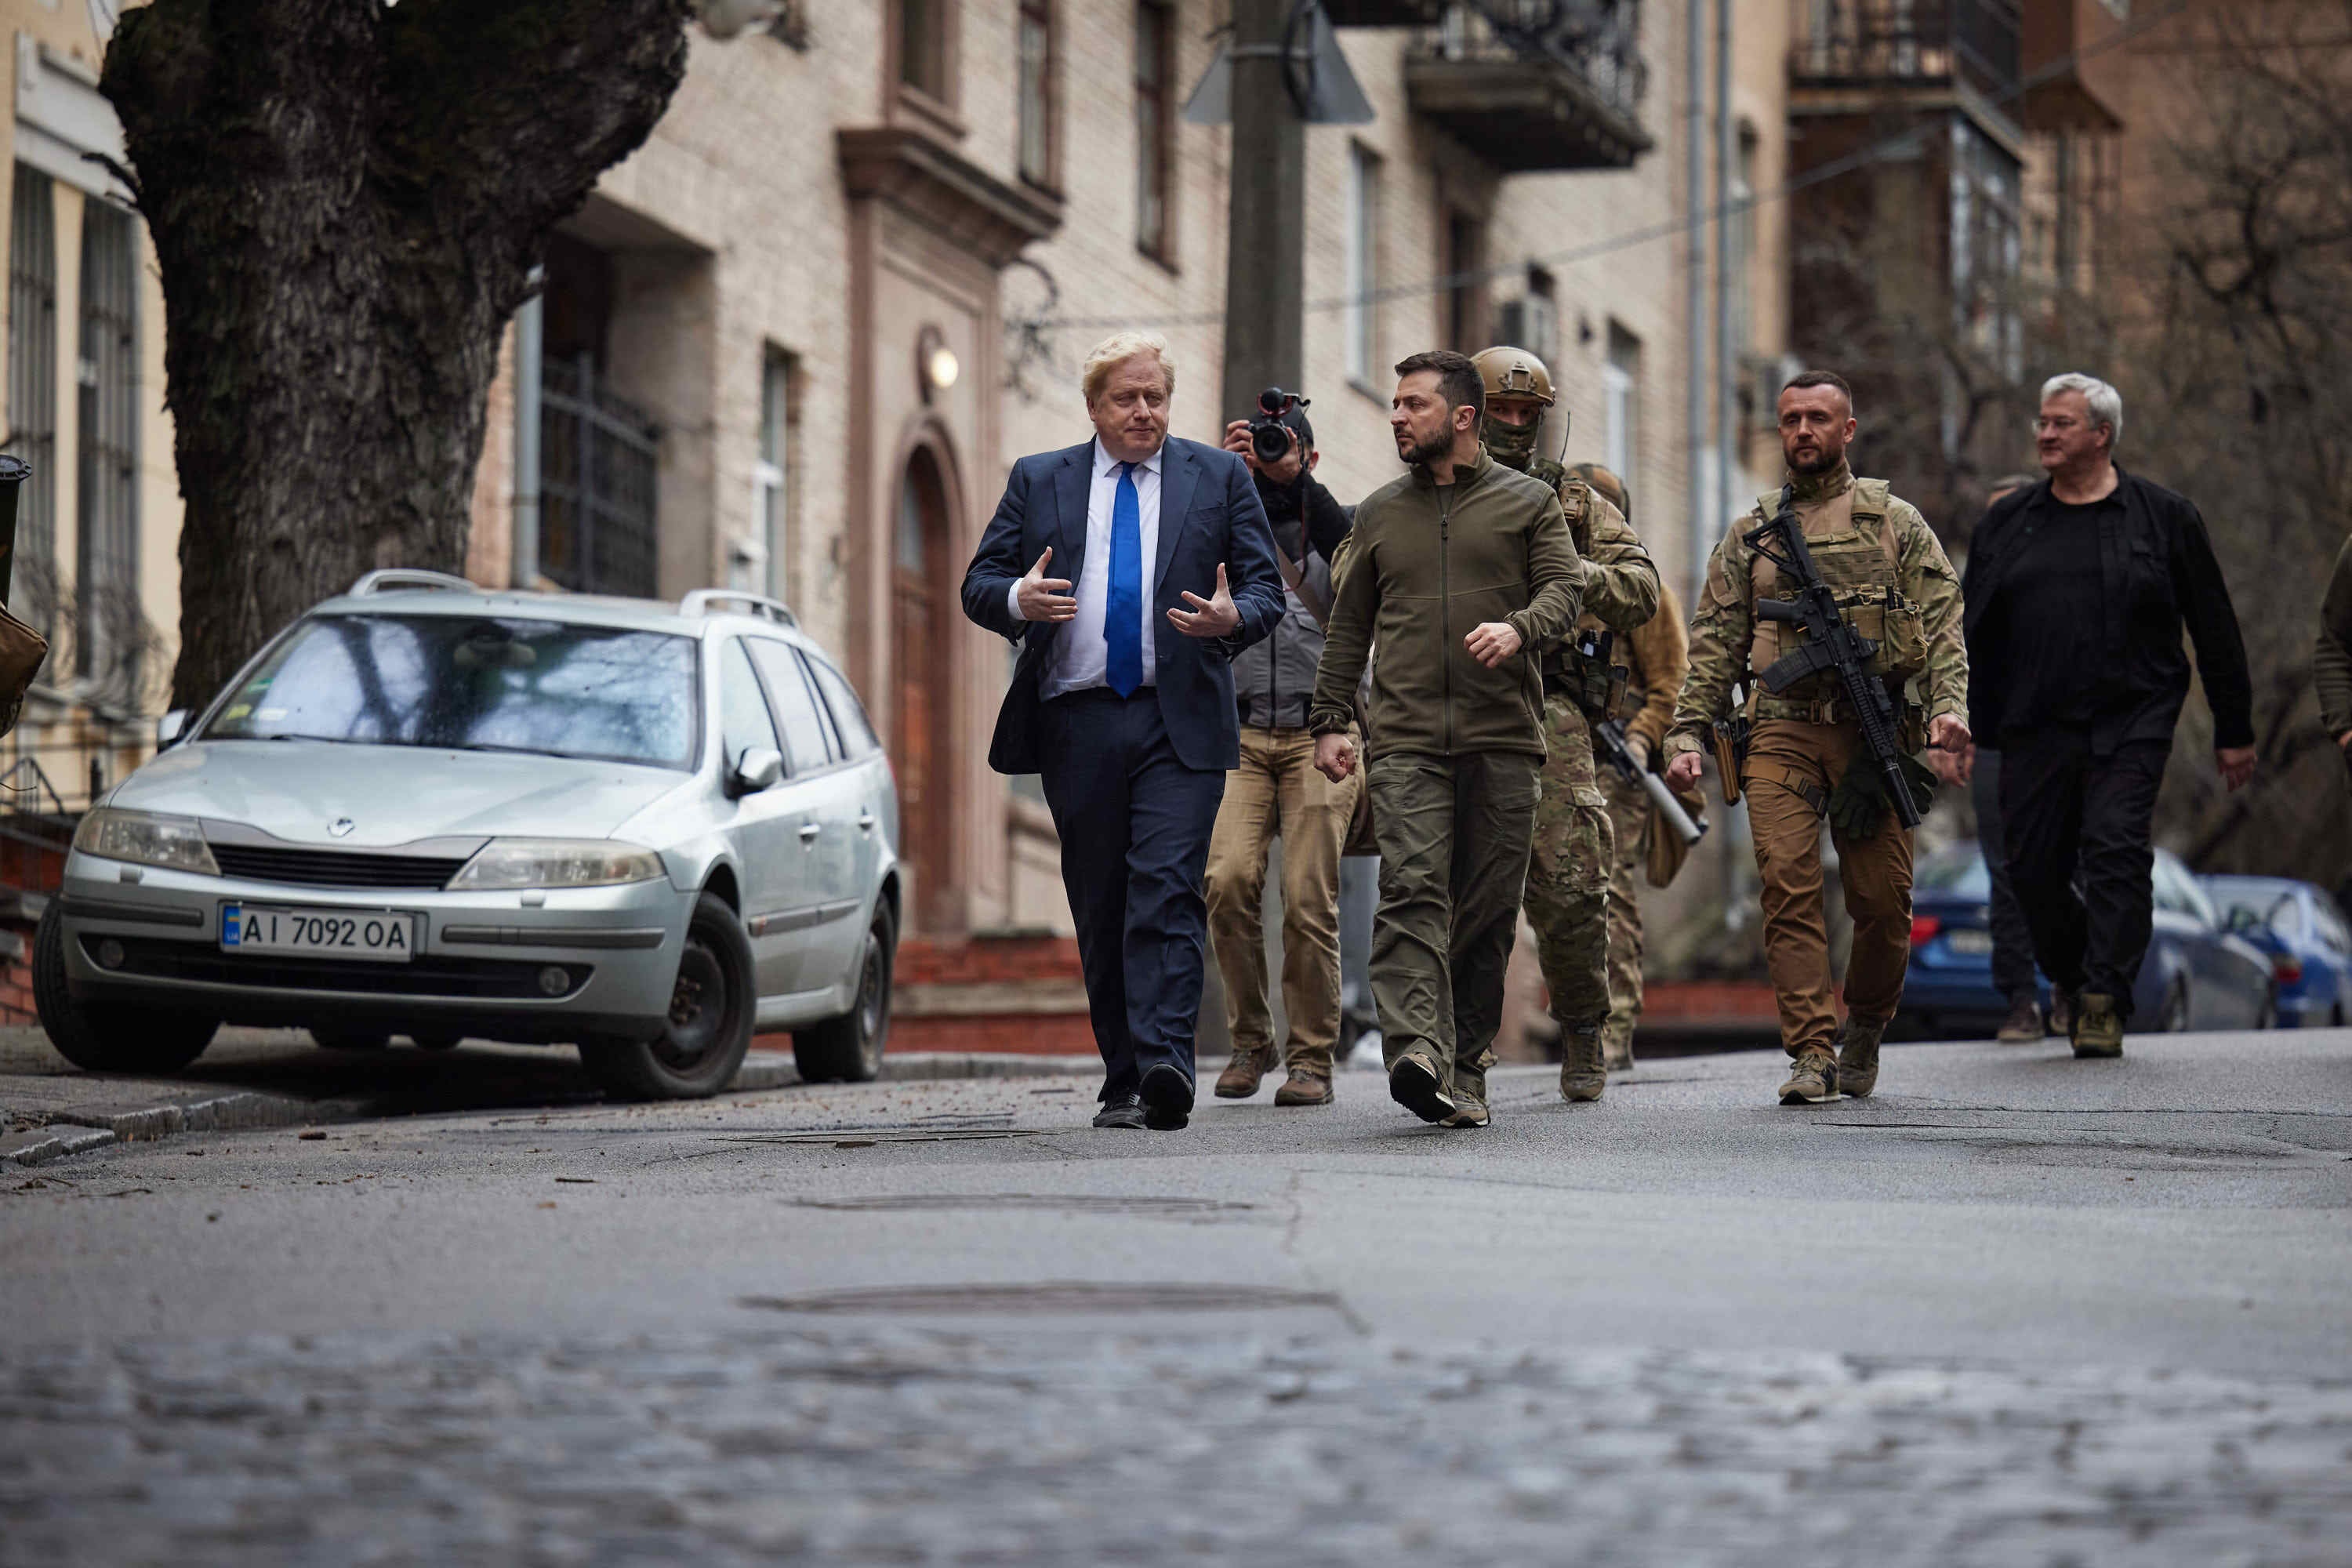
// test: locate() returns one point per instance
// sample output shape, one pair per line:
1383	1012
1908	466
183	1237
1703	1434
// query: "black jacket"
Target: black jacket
1273	680
2157	567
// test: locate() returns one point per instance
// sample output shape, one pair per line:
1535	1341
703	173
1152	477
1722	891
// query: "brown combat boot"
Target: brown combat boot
2099	1028
1583	1073
1617	1051
1469	1096
2061	1014
1812	1079
1304	1087
1242	1074
2023	1025
1857	1056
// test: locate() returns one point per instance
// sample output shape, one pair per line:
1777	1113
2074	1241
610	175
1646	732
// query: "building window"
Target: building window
772	476
1621	396
1987	248
1155	130
1465	283
1363	312
1039	103
923	47
106	578
32	387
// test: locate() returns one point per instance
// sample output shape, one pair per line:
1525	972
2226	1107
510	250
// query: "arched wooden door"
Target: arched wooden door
921	588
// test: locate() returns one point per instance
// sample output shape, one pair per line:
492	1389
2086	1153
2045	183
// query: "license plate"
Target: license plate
382	936
1972	942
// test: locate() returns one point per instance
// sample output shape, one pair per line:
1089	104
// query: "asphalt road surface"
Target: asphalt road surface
2014	1309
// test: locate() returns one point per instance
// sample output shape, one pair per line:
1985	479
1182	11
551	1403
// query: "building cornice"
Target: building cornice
941	189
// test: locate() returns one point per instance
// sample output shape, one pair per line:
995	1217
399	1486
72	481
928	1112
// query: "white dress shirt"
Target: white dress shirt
1079	656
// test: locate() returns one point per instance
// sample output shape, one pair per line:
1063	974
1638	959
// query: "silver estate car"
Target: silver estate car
432	810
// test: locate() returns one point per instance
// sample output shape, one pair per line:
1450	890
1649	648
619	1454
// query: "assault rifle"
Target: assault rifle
1608	745
1597	695
1830	646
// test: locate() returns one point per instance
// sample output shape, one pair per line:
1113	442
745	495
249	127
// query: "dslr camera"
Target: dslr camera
1270	436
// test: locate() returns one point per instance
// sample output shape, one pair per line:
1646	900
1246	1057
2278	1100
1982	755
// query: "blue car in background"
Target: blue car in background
2197	974
2303	933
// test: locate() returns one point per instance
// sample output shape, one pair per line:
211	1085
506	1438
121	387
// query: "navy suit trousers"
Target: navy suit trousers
1135	825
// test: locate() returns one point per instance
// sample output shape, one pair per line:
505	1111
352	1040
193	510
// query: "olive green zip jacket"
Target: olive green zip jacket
1417	577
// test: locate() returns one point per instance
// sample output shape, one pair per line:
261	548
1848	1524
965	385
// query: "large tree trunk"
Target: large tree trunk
346	199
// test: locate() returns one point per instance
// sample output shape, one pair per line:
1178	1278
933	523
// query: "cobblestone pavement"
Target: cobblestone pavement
877	1442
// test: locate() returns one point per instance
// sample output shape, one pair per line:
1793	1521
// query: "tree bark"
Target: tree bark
346	198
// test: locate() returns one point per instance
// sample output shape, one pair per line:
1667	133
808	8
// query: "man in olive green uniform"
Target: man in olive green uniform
1460	569
1567	870
1898	589
1657	656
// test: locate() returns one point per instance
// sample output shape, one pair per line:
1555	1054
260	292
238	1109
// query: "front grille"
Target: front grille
429	974
333	868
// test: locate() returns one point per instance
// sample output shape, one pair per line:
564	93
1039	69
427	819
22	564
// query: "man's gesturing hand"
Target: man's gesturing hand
1682	774
1335	757
1492	642
1044	598
1209	618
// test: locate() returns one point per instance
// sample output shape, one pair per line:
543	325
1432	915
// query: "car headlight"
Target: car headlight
145	839
556	863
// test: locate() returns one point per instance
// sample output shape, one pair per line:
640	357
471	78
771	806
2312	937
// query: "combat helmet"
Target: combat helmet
1512	373
1606	483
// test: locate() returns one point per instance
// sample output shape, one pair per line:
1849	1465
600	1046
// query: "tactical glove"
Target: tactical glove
1859	803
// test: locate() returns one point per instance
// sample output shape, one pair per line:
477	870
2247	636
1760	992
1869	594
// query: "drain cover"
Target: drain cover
1050	1296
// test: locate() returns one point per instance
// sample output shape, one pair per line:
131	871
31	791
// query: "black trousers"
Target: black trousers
1135	825
2012	940
2063	811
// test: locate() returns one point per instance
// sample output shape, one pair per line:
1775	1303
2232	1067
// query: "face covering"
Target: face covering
1514	446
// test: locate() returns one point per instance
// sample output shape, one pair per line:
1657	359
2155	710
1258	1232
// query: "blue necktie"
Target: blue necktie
1123	610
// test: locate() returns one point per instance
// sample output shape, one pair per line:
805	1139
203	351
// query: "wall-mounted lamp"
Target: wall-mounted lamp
935	365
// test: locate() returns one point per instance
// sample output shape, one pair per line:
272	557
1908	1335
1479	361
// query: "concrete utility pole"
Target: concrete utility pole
1702	530
1266	239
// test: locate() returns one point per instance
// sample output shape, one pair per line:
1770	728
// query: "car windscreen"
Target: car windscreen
474	683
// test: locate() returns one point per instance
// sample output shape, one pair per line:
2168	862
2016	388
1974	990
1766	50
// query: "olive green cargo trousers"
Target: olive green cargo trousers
1454	834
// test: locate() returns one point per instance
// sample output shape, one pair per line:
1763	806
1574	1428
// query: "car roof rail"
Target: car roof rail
698	603
389	578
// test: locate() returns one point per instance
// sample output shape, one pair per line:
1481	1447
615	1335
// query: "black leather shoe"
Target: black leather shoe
1167	1098
1122	1111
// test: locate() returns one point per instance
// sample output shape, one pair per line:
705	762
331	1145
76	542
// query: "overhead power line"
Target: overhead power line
1900	142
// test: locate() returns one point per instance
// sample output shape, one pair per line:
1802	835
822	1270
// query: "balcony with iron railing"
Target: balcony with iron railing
1535	84
1867	43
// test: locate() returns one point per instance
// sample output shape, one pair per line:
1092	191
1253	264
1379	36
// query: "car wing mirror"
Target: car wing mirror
759	768
171	727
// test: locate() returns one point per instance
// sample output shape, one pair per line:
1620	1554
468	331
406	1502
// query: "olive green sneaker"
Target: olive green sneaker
1857	1056
1469	1096
1812	1079
1582	1075
2099	1028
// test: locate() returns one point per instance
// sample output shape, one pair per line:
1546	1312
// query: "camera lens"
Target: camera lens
1270	439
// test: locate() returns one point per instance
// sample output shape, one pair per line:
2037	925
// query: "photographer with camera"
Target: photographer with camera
1277	791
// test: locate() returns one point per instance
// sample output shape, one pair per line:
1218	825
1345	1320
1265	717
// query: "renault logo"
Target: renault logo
342	826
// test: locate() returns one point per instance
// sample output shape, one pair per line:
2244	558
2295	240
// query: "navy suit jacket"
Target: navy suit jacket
1209	515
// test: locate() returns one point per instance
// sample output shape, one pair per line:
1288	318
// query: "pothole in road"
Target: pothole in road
1041	1203
1064	1296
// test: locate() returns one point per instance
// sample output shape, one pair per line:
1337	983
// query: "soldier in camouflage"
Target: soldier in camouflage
1898	589
1656	655
1567	872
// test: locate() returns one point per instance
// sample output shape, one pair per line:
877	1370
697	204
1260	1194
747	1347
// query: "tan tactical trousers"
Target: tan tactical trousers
1629	811
1276	793
1790	770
